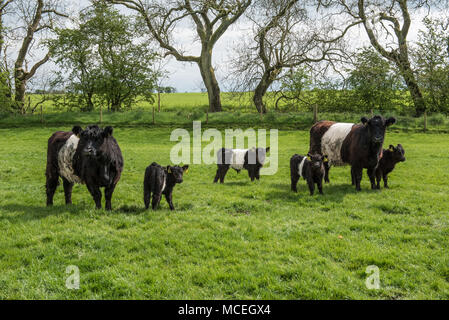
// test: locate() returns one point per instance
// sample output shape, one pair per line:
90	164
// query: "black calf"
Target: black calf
387	163
311	168
161	180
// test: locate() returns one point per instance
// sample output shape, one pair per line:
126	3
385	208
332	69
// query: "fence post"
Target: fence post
101	113
315	113
372	113
261	113
425	121
158	101
153	115
42	115
207	116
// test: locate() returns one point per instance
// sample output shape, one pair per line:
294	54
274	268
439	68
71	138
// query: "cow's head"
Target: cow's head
91	140
376	127
177	172
398	153
316	161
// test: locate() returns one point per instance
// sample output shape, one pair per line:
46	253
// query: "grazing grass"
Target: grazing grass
239	240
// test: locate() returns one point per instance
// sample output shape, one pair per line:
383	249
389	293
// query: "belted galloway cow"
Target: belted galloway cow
359	145
91	156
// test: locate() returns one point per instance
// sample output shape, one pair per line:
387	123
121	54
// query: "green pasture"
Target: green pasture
239	240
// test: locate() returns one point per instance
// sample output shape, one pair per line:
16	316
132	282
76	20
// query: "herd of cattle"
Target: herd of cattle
93	157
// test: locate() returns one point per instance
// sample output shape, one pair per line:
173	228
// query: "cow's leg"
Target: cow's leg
251	173
51	185
168	197
96	194
294	180
68	186
156	200
358	172
327	167
217	175
320	185
108	191
378	178
223	171
146	196
311	185
385	177
352	176
371	175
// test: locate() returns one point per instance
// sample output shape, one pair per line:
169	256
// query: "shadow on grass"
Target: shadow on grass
23	213
30	212
332	193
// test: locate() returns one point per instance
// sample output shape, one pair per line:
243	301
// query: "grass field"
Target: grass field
238	240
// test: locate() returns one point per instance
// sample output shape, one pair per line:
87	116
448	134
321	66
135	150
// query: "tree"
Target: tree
373	81
292	86
211	19
73	52
387	25
5	80
35	17
284	38
432	61
105	60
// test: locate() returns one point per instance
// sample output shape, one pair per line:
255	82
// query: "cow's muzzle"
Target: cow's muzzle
378	139
89	152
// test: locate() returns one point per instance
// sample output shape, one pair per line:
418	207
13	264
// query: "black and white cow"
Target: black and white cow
311	168
91	156
359	145
249	159
161	180
390	157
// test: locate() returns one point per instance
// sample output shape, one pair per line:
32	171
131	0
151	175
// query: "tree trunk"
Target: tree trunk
415	91
90	104
210	81
20	86
261	90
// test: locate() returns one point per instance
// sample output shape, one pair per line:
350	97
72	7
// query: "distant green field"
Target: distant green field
240	240
180	109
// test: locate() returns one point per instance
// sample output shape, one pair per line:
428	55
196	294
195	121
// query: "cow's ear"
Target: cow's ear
107	132
364	120
77	130
391	148
390	121
185	168
267	149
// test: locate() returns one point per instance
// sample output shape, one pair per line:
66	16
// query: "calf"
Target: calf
161	180
387	163
311	168
91	156
359	145
249	159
